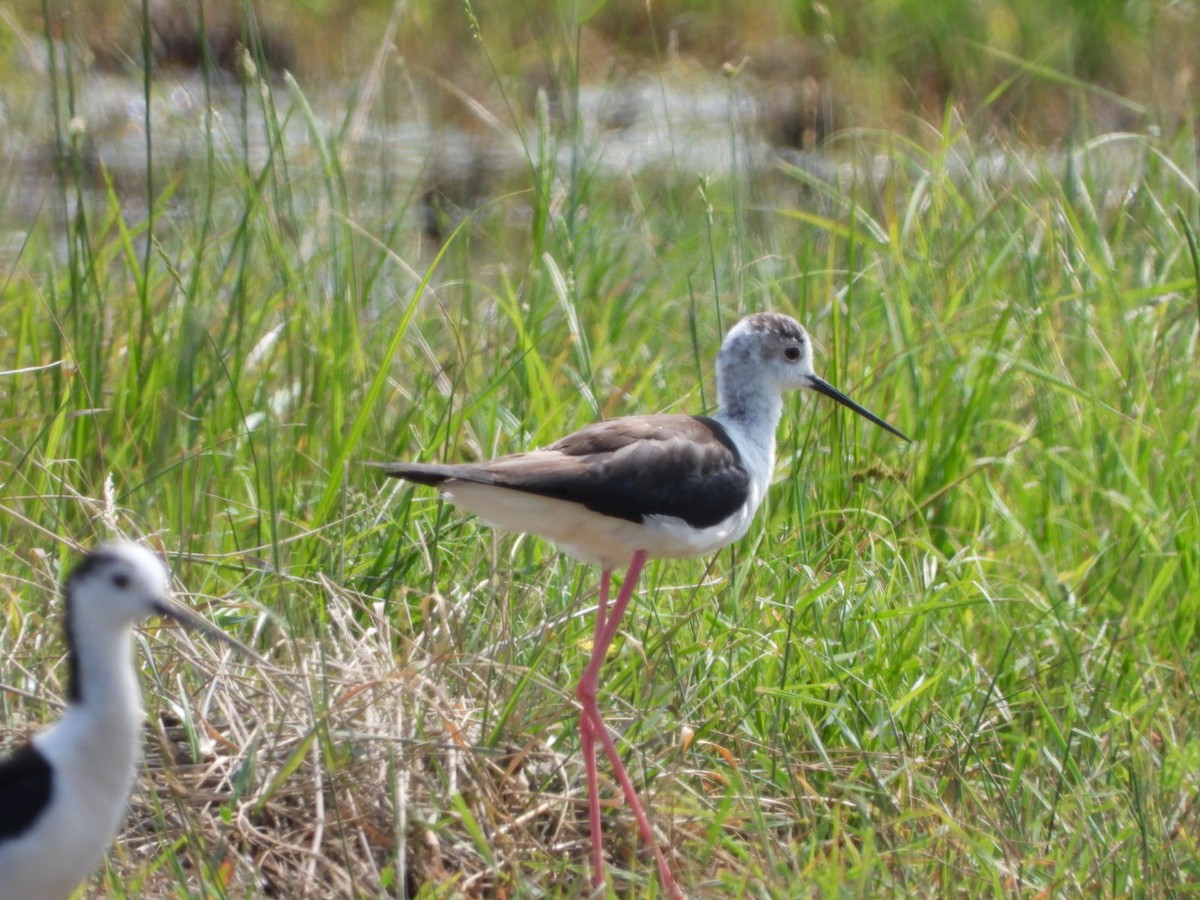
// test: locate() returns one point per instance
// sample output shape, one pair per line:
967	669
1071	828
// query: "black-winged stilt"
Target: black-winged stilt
622	491
62	795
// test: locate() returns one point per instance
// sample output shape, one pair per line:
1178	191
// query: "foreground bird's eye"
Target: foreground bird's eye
792	353
120	580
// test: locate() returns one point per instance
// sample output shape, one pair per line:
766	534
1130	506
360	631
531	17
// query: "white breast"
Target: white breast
94	771
595	538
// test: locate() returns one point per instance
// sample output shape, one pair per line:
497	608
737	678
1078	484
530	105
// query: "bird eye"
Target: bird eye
792	353
120	580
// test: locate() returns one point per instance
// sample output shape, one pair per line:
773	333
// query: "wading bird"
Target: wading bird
622	491
63	795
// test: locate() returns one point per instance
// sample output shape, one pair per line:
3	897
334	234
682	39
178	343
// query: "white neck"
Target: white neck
93	751
100	731
106	675
749	408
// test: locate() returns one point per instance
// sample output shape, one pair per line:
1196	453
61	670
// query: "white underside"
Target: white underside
589	536
95	768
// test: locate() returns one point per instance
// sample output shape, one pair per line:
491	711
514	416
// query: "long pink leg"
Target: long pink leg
587	742
591	728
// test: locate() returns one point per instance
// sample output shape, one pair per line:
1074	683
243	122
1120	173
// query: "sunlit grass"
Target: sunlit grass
960	666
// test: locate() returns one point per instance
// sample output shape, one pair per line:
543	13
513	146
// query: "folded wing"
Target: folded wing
685	467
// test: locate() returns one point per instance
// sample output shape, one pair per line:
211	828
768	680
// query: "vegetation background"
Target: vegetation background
245	250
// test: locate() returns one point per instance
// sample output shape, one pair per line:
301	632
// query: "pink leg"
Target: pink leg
587	742
591	728
602	603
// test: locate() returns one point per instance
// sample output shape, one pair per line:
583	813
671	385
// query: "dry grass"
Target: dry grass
348	771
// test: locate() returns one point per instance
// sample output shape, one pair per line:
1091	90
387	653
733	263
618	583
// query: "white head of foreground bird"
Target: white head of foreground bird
63	795
622	491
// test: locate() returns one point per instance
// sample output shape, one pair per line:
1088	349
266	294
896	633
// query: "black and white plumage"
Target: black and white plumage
63	795
672	485
605	486
622	491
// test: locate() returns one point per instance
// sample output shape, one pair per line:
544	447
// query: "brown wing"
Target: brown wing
630	468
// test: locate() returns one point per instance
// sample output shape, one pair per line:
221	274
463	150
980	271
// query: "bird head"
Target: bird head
776	348
122	583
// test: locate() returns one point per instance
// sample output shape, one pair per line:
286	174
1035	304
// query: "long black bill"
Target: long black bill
186	617
821	386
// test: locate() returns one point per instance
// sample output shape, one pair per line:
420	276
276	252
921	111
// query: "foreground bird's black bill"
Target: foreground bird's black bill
821	386
184	616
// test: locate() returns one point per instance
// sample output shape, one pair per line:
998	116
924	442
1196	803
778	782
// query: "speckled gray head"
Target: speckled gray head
774	348
778	325
761	337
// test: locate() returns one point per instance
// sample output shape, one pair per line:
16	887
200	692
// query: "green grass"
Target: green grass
964	666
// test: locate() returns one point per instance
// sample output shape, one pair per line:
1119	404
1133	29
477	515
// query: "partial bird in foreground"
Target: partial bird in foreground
63	795
622	491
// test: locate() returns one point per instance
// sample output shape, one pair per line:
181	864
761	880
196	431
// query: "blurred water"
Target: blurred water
217	135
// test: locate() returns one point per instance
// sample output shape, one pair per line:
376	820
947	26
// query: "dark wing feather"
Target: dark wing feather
420	473
629	468
26	785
